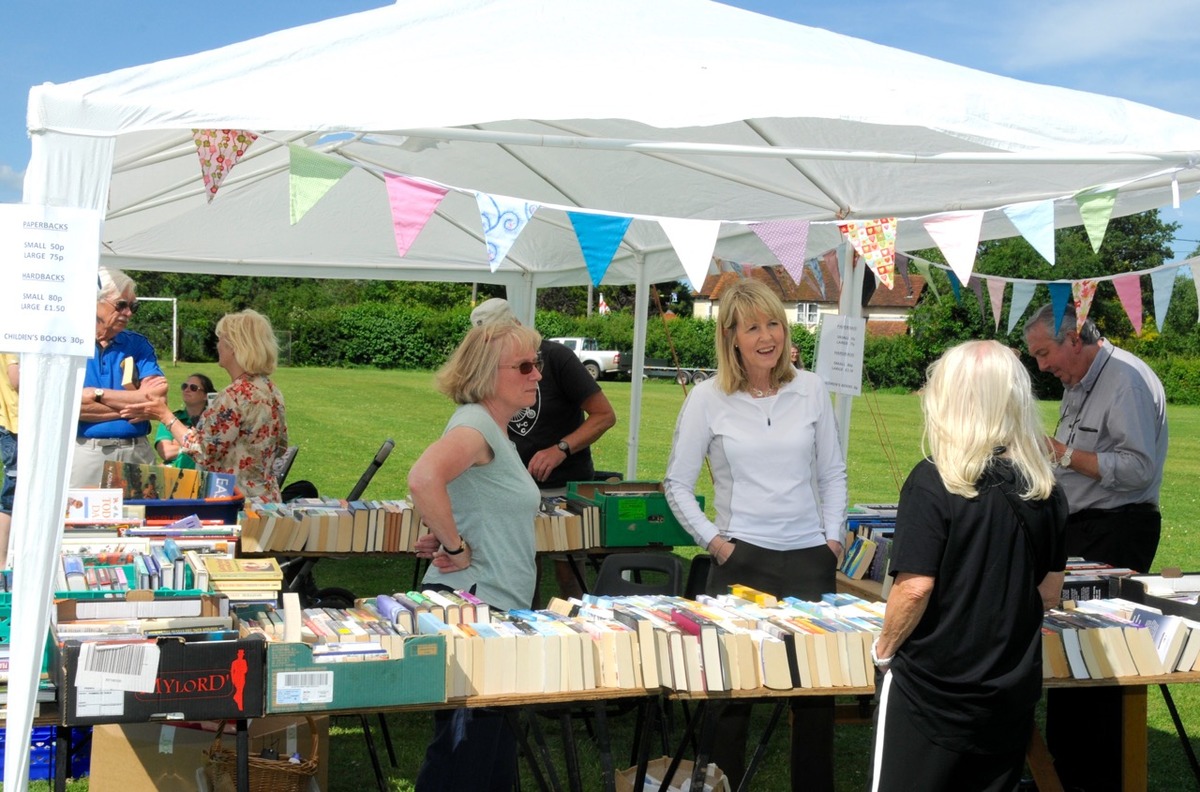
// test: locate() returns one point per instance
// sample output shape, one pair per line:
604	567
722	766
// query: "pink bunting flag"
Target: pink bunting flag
413	203
219	150
996	294
1082	293
875	241
788	241
957	235
1129	290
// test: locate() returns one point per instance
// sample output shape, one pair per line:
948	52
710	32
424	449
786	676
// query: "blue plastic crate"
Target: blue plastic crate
42	746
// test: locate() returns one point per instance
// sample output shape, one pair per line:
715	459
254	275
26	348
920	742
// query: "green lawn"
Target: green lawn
340	417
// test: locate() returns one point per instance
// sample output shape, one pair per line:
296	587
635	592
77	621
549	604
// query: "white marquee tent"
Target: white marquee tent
681	109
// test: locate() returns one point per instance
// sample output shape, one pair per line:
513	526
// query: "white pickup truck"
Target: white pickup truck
597	361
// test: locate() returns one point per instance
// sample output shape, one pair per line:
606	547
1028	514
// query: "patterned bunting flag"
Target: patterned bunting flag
1022	293
875	241
788	240
310	176
814	266
1129	291
1096	209
1082	292
599	236
1163	283
412	203
503	219
219	150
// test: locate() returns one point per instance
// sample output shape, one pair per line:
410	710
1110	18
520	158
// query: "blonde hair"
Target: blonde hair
978	398
469	376
252	340
743	300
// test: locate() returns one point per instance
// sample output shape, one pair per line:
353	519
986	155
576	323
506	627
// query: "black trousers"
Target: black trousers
1083	726
806	574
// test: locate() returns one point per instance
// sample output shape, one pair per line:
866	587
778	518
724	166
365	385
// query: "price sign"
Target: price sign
840	353
48	261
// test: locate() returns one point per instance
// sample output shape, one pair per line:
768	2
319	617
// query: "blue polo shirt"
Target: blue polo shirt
104	371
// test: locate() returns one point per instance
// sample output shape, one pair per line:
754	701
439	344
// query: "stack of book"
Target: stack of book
244	579
327	525
1092	580
1114	638
564	524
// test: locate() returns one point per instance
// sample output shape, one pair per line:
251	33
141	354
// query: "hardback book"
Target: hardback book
73	573
222	568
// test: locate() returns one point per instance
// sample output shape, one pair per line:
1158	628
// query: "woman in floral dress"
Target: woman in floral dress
245	428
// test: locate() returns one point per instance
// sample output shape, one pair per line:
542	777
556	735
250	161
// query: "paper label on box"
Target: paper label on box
631	509
129	667
304	687
99	703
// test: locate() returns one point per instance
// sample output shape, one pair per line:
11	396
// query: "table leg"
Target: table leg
1041	764
243	756
1134	739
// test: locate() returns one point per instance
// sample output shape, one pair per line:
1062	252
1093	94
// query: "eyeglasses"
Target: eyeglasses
126	305
187	386
525	367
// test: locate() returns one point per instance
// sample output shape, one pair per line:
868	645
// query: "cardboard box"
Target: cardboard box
657	768
193	680
296	684
1135	589
633	513
145	757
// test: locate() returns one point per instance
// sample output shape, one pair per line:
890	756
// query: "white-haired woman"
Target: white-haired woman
978	556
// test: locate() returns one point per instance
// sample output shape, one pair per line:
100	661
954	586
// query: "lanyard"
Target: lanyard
1079	412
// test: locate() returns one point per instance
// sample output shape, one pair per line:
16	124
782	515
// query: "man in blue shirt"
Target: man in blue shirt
123	372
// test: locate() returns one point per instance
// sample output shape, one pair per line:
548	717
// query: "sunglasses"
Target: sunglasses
126	305
525	367
187	386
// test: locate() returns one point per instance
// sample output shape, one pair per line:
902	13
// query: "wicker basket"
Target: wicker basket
266	775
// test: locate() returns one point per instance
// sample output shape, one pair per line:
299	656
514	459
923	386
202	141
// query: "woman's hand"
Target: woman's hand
153	409
836	548
445	562
721	549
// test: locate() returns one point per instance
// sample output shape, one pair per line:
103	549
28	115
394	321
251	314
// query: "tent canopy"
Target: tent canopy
676	108
673	108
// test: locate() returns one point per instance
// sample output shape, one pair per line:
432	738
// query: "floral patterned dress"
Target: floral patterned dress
243	432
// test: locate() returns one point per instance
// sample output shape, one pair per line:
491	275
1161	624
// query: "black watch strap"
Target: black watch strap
462	546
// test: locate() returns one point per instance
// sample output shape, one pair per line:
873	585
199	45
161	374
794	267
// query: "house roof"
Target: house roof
906	293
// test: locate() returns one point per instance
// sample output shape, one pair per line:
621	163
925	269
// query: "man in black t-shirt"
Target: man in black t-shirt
555	435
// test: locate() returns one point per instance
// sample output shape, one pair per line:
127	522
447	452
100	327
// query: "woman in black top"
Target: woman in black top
978	555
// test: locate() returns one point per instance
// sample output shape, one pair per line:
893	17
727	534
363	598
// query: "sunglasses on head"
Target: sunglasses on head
187	386
526	367
126	305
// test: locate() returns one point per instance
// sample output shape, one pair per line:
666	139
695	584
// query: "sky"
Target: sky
1146	51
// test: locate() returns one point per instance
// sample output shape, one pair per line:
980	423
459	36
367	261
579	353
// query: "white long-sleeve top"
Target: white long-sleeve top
778	474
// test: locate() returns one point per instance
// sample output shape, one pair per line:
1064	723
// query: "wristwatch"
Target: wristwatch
462	546
564	447
1065	459
98	394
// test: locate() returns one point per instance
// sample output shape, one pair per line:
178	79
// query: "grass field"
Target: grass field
338	418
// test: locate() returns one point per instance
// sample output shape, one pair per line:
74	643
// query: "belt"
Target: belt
108	442
1128	508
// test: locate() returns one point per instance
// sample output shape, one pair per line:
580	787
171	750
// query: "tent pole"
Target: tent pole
641	309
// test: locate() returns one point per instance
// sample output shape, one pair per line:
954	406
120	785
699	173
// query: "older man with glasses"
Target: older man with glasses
123	372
